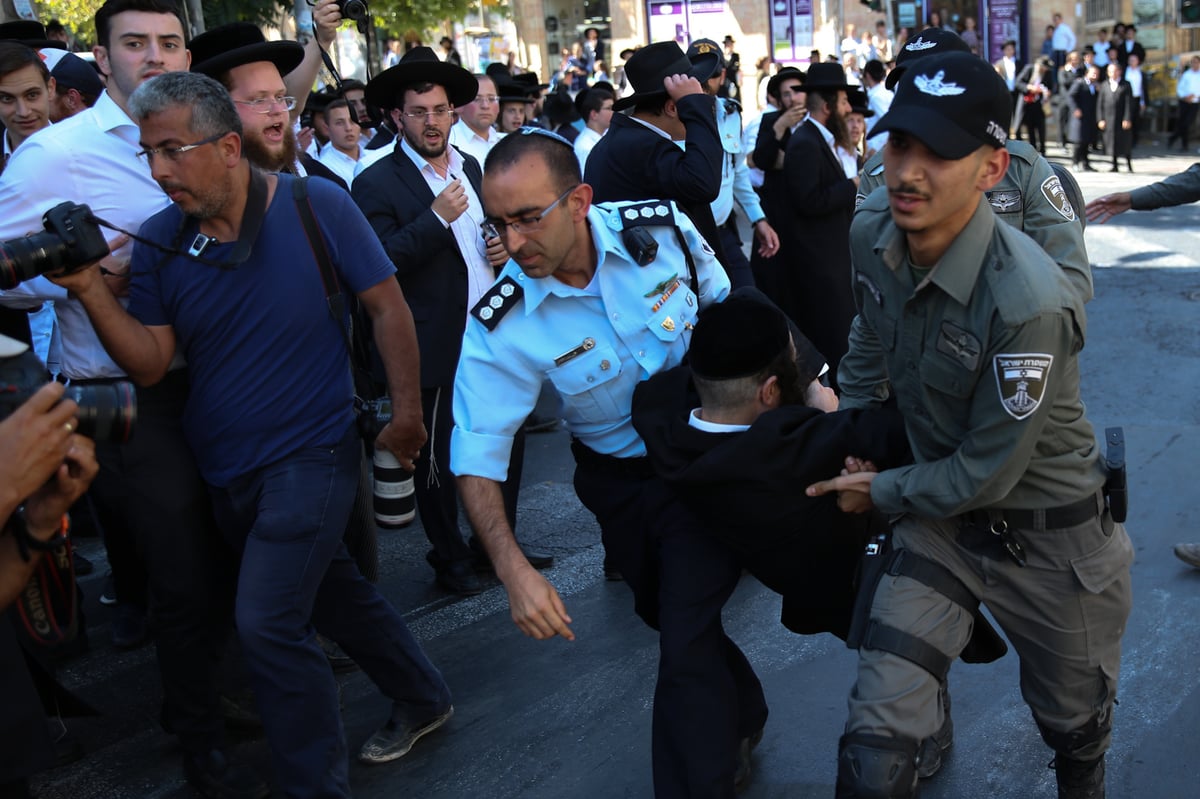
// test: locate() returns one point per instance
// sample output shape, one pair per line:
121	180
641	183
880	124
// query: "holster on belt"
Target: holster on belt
1115	492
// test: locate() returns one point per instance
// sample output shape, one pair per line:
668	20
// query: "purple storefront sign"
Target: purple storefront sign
1004	23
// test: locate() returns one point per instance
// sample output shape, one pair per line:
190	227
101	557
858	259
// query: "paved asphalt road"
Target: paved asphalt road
557	719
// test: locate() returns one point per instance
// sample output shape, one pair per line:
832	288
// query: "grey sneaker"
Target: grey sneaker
395	739
1189	554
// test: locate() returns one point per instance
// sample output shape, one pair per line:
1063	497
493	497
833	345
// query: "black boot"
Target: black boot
1079	779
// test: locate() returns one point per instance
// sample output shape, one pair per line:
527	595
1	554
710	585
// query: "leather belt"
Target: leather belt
1049	519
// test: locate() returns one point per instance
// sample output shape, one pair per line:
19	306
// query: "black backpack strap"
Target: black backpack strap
333	289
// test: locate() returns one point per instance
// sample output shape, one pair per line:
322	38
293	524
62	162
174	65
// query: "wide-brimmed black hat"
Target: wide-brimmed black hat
782	75
952	103
529	80
421	64
30	33
931	41
858	102
700	49
219	50
826	76
648	67
511	91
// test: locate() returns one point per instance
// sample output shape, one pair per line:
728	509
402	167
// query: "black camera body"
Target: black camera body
373	416
106	412
71	241
355	10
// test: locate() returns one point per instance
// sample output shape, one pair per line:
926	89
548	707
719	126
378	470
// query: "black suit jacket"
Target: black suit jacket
1114	107
1138	50
633	162
1082	129
318	170
766	150
433	273
816	227
749	490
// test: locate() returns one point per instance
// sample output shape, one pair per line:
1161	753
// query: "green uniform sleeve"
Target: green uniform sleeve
1058	232
1179	189
997	447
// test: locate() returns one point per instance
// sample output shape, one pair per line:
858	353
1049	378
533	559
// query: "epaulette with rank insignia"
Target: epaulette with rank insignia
499	300
731	106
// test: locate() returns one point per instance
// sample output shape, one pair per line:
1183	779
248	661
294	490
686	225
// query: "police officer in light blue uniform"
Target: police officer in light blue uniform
595	300
735	175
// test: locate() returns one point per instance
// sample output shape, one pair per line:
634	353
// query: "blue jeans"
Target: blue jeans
288	518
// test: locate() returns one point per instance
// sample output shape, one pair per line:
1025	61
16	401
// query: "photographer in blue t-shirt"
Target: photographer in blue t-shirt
270	414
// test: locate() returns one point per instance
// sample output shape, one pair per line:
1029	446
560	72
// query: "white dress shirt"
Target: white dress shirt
1188	84
1063	38
584	142
466	229
88	158
348	168
1135	78
470	142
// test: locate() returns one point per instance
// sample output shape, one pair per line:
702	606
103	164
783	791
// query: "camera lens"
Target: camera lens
106	413
29	256
395	502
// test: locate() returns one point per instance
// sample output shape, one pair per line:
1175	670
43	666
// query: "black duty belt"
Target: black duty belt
610	464
1049	519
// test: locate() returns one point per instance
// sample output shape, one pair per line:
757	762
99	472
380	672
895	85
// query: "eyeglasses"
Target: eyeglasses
173	154
484	99
265	105
437	113
525	225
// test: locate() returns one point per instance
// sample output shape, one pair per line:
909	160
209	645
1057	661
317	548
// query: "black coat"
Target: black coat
749	489
1082	129
316	169
814	232
633	162
399	206
1123	54
1114	107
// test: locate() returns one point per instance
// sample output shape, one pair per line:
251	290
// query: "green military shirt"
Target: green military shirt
1029	197
982	357
1179	189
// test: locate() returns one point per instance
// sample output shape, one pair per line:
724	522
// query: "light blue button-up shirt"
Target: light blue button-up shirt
593	344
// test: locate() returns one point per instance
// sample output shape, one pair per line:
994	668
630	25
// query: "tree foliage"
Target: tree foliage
77	15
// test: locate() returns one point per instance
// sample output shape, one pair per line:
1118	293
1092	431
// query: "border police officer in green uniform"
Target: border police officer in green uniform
965	321
1032	196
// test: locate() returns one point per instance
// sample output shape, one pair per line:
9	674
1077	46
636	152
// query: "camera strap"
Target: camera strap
252	221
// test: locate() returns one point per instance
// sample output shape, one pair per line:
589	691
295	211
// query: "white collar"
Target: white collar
714	427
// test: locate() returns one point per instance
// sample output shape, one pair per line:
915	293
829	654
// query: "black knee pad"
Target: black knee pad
875	767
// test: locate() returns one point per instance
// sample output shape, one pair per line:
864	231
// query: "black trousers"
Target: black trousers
1187	115
736	263
1033	119
434	486
707	696
150	489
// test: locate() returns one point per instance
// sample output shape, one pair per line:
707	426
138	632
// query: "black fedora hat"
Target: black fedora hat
30	33
511	91
421	64
647	68
826	76
529	80
858	102
219	50
782	75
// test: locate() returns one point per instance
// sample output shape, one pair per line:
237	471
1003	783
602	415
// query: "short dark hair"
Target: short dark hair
54	26
651	104
555	151
733	393
111	8
15	55
827	98
875	69
340	102
593	100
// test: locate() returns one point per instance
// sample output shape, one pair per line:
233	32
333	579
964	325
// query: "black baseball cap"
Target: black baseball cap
952	103
931	41
700	51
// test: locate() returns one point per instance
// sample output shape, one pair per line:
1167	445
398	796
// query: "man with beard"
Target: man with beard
281	474
423	203
148	496
816	221
253	71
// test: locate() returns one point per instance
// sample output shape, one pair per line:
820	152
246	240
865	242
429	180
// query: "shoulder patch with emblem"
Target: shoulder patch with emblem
1004	202
859	199
876	171
1021	380
499	300
1054	193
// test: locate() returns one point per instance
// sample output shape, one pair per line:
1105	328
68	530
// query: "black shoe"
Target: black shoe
67	746
108	594
611	572
482	563
216	776
239	713
933	748
1079	779
457	576
1114	169
1089	168
339	661
128	628
83	566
